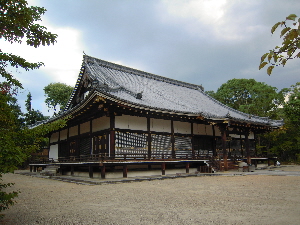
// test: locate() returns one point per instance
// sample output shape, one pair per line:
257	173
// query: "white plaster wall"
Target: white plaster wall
64	134
101	123
182	127
217	131
209	130
235	135
53	152
160	125
202	129
131	122
85	127
54	137
73	131
251	136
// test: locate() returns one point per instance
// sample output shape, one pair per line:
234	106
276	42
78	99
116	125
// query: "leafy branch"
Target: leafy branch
289	48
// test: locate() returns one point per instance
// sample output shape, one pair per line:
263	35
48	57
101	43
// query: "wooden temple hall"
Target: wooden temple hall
123	119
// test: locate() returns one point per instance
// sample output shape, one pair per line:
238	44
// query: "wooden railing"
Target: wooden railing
179	155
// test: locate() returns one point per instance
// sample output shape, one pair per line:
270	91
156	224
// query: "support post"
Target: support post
163	168
214	141
192	140
187	167
125	170
223	128
112	136
173	140
149	138
247	146
103	172
34	168
72	170
91	171
30	169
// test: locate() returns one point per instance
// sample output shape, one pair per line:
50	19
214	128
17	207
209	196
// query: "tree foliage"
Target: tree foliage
57	95
289	49
249	96
32	116
18	21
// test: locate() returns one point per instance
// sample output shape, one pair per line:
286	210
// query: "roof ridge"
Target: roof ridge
143	73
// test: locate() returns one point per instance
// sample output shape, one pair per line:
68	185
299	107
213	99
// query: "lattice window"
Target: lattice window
84	147
131	143
161	144
183	143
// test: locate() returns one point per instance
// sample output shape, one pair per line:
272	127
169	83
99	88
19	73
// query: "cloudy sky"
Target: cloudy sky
206	42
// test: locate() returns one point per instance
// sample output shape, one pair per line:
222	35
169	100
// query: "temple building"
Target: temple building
121	117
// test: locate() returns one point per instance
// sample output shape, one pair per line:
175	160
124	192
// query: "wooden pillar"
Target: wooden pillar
223	138
163	168
103	172
214	141
112	136
187	167
255	163
192	140
91	173
91	138
30	169
247	146
125	170
72	170
149	138
173	140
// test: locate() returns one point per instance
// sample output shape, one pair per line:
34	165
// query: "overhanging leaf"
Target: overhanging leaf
275	27
292	17
284	30
263	57
262	65
269	70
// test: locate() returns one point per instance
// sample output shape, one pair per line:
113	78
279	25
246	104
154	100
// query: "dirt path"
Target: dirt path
251	199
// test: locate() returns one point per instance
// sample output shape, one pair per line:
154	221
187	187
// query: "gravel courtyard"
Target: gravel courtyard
250	199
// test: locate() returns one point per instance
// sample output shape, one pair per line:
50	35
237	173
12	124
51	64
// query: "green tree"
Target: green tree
285	142
32	116
250	96
57	95
18	22
290	46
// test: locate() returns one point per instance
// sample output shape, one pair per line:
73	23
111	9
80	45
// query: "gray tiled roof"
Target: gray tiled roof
160	93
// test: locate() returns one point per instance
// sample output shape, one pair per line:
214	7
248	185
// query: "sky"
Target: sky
205	42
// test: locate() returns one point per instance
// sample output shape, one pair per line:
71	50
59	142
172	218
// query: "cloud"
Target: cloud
217	20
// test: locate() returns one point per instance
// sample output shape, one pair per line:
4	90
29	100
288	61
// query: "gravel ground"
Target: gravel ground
250	199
